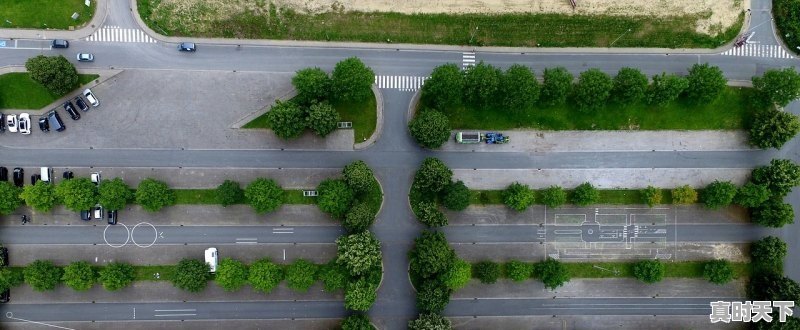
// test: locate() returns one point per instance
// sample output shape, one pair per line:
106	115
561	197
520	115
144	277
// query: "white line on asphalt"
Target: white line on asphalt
246	242
134	313
168	315
284	254
11	316
175	310
247	239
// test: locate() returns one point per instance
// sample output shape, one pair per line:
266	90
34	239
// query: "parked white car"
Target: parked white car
24	123
87	93
211	259
95	178
11	122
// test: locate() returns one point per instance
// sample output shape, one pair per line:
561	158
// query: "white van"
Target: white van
46	174
211	259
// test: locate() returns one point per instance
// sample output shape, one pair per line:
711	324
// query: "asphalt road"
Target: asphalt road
582	306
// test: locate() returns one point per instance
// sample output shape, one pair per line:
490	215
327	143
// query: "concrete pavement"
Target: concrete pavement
578	322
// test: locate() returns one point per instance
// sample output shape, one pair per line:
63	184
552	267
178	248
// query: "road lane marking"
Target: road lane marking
168	315
175	310
283	230
10	315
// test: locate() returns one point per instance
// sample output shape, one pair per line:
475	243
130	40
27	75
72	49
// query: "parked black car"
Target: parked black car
2	122
3	256
43	124
34	178
67	175
55	121
59	43
3	173
86	215
112	217
19	177
81	104
70	109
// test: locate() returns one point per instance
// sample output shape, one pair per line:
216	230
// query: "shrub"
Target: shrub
312	84
358	253
335	197
357	322
431	255
231	274
552	273
718	271
428	213
556	86
286	120
666	88
115	276
358	218
433	175
778	86
652	196
264	275
554	196
445	87
55	73
486	271
649	271
772	128
334	276
229	193
360	295
518	271
585	194
481	83
430	322
300	275
264	195
518	88
518	196
629	85
684	195
592	90
751	195
773	213
719	194
351	80
430	128
153	195
705	83
40	197
191	275
769	253
42	275
9	198
458	275
456	196
359	176
9	279
79	276
114	194
780	176
322	118
432	297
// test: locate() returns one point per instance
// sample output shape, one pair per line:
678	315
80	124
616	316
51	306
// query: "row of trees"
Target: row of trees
718	271
81	194
350	81
767	281
433	183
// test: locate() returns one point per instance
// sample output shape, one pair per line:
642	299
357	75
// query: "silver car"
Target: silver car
85	57
87	93
11	122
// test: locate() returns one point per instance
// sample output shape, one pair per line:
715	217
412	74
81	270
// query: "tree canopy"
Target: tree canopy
649	271
432	297
552	273
481	83
41	197
312	84
360	295
629	85
114	194
769	252
706	83
428	213
55	73
554	196
752	195
431	254
115	276
9	198
153	195
719	194
77	194
778	86
42	275
433	175
322	118
79	275
300	275
358	176
518	196
430	128
231	274
351	80
592	90
456	196
229	193
772	128
445	87
458	275
286	120
264	195
358	218
191	275
556	85
684	195
780	176
585	194
666	88
652	196
335	197
519	88
264	275
486	271
773	213
430	322
358	253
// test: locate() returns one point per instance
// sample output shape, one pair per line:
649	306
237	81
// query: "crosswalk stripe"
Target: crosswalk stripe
403	83
758	50
116	34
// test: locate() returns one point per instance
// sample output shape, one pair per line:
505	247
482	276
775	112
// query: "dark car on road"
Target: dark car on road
86	215
55	121
59	43
44	126
70	109
19	177
112	217
3	173
187	47
81	104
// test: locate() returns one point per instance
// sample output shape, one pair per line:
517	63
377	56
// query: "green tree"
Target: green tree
769	253
334	276
55	73
312	84
445	87
552	273
351	80
116	275
458	275
518	196
357	322
772	128
430	128
778	86
432	297
792	323
153	195
231	274
42	275
718	271
518	271
358	218
191	275
286	120
665	89
430	322
518	88
360	295
554	196
706	83
322	118
719	194
456	196
773	213
652	196
229	193
629	85
585	194
300	275
649	271
592	90
428	213
77	194
433	175
486	271
358	252
40	197
264	275
79	276
9	198
556	86
264	195
773	286
114	194
481	83
780	176
431	255
335	197
9	279
752	195
684	195
359	176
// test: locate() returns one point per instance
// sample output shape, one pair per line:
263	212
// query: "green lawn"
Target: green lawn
545	30
607	196
730	111
207	196
19	91
41	14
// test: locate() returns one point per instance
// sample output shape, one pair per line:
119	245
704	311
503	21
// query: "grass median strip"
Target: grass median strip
607	196
44	14
19	91
209	197
679	269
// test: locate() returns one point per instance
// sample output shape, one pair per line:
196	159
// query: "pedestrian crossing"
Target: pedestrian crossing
467	59
116	34
403	83
758	50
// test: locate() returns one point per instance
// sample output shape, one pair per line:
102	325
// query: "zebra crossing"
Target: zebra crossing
467	59
403	83
116	34
758	50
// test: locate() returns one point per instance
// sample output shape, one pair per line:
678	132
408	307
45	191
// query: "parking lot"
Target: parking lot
177	109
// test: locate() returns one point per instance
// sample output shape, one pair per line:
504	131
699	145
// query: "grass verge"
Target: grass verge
44	14
545	30
19	91
680	269
208	197
607	196
730	111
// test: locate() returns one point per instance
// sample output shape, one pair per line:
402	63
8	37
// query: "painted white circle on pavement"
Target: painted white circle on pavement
155	234
128	238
